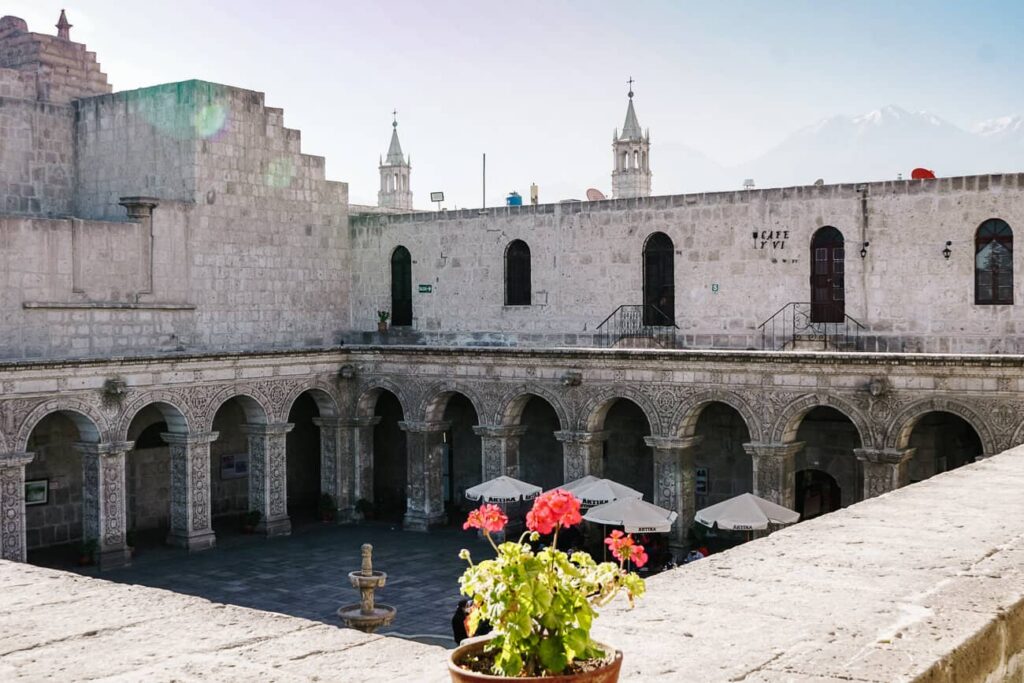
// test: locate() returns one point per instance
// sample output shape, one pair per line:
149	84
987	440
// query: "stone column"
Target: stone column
12	505
424	498
774	471
885	469
582	454
359	441
104	504
268	476
191	521
141	209
499	445
335	475
675	480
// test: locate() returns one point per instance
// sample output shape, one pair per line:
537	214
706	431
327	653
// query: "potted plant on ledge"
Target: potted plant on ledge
382	321
541	604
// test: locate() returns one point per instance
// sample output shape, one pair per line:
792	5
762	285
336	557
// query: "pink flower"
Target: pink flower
488	517
553	510
623	548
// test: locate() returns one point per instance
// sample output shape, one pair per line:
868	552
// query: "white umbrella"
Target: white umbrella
604	491
578	483
502	490
637	516
745	512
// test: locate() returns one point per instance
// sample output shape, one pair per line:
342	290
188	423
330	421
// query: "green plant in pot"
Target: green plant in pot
327	507
364	508
251	521
541	605
382	321
87	552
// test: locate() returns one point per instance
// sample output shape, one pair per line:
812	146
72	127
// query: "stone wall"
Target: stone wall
586	261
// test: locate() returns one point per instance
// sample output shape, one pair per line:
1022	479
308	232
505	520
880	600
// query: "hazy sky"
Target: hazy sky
539	86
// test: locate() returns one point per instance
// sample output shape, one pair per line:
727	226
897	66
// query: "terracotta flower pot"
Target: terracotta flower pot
607	673
382	328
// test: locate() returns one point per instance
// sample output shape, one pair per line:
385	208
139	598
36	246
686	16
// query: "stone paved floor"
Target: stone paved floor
306	574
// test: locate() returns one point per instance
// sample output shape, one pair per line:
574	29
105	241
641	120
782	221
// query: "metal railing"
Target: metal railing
811	326
632	321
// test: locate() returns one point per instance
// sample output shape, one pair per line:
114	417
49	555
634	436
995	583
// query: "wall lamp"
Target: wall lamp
947	251
864	249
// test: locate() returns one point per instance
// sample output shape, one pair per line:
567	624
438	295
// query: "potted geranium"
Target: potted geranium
541	604
382	321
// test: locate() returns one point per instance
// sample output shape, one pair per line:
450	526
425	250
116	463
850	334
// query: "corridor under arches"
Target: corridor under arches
390	463
942	442
829	439
627	458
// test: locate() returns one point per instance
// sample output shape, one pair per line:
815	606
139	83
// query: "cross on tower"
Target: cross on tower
630	82
394	122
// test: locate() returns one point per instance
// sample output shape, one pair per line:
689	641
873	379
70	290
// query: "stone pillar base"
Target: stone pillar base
414	522
275	527
194	543
112	559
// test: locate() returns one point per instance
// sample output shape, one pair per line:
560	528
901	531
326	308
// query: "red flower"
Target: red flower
553	510
488	517
623	548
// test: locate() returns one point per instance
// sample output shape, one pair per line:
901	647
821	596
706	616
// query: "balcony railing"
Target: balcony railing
801	325
631	323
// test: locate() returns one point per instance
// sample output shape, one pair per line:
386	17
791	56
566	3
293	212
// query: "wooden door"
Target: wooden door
828	276
659	281
401	288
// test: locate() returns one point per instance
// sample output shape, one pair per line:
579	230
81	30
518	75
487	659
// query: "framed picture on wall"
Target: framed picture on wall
37	491
234	466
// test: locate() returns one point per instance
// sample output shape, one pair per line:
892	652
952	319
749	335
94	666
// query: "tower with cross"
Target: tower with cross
395	168
631	169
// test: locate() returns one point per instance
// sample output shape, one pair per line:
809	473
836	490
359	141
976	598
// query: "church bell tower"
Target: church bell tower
394	175
631	170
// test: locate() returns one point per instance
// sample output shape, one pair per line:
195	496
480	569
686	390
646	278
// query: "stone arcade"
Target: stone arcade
179	277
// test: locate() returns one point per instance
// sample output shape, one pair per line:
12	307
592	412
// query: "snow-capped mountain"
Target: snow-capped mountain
1004	127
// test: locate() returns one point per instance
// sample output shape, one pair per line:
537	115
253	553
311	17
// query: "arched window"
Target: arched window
659	281
517	274
828	276
993	263
401	287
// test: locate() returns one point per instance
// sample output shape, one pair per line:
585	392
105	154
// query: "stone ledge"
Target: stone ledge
110	305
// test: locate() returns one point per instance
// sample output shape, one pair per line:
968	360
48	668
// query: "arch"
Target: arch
517	274
787	424
435	398
596	408
401	287
828	276
898	435
993	263
92	425
164	401
659	296
510	406
371	390
256	410
684	422
321	394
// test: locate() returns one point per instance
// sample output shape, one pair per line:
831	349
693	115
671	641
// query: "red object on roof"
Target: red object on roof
922	174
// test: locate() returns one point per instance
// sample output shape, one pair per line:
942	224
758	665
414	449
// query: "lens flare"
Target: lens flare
210	120
280	173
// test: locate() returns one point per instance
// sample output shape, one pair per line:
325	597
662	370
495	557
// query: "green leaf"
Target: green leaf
552	655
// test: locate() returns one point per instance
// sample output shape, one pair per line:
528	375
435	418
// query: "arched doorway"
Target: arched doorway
943	441
148	474
817	493
302	446
54	510
517	274
390	463
401	287
659	281
229	463
723	468
830	438
462	466
540	453
828	276
627	459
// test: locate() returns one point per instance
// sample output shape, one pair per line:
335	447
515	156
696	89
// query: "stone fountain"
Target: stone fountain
366	616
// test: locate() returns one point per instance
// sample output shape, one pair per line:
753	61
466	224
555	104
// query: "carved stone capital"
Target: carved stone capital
104	449
672	443
188	439
15	459
350	422
884	456
424	427
269	429
773	450
581	437
499	431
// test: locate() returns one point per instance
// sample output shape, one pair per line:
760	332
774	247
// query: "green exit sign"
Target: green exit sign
426	289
